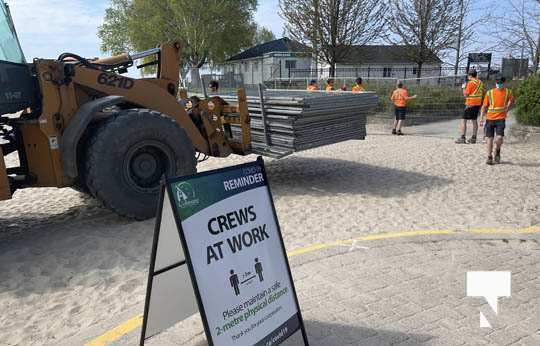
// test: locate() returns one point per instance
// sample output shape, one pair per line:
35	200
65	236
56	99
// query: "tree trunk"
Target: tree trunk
332	71
195	77
419	74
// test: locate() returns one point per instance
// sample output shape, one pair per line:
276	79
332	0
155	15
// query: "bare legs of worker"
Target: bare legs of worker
489	148
399	125
463	127
475	131
463	131
396	130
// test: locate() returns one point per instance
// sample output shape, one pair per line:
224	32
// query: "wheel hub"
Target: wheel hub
145	164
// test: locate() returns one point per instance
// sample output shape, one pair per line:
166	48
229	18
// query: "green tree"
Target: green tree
263	35
528	101
114	31
210	30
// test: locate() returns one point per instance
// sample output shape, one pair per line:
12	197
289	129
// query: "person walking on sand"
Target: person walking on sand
358	87
329	85
495	108
400	97
473	91
312	86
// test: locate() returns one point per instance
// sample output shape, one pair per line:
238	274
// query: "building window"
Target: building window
290	64
255	66
414	71
246	67
387	72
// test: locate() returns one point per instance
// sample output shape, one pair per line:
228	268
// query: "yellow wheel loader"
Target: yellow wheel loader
77	122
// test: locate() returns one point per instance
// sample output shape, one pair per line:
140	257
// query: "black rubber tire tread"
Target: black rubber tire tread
79	184
109	143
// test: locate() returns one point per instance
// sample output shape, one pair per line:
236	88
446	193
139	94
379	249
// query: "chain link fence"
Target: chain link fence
440	97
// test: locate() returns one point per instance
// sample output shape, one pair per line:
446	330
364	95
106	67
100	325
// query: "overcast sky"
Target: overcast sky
47	28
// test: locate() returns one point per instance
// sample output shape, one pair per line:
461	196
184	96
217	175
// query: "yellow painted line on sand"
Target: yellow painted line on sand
381	236
135	322
316	247
116	333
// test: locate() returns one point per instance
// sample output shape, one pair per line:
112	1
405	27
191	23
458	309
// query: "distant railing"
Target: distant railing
380	72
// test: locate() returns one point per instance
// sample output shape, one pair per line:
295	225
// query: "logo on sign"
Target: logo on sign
185	195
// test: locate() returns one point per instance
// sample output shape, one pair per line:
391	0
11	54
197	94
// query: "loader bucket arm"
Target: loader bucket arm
145	94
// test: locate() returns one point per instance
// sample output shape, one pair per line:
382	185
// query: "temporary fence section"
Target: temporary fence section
285	121
197	81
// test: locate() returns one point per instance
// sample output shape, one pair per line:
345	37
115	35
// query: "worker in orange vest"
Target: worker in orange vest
400	97
358	87
312	86
473	91
329	85
496	105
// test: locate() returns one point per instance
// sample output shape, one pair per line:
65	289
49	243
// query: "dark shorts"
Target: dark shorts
471	112
400	113
493	127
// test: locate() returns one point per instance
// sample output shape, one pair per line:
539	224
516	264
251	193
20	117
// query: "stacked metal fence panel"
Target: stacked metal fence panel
298	120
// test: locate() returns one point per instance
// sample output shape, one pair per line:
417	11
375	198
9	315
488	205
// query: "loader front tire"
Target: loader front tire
129	153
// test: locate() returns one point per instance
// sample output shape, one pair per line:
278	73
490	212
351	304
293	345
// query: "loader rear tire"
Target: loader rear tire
128	154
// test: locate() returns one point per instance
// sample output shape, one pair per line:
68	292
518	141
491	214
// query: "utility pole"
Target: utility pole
522	41
521	59
316	38
536	56
459	37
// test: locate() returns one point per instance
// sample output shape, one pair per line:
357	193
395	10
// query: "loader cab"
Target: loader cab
18	87
10	48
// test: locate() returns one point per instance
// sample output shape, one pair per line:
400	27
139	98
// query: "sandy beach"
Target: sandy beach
68	265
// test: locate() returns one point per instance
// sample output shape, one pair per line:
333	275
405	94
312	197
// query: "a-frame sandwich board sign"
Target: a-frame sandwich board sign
235	256
169	293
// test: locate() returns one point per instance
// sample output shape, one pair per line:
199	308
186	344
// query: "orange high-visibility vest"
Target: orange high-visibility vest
400	96
474	98
312	87
497	102
329	87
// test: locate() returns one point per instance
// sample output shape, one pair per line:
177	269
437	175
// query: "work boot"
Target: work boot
394	132
489	160
498	156
461	140
399	133
472	140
